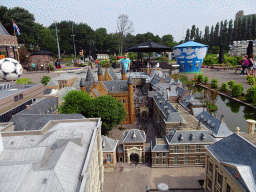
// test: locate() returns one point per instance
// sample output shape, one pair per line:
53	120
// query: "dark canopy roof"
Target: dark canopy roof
42	52
149	46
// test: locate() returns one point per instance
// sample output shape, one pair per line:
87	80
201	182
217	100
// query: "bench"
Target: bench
220	67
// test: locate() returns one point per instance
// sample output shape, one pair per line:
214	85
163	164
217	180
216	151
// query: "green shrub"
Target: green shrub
250	80
224	87
231	84
206	79
214	83
251	94
200	78
24	81
68	64
51	67
237	90
45	80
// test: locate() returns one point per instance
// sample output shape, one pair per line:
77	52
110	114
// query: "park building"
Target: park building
65	154
109	84
240	14
181	148
230	165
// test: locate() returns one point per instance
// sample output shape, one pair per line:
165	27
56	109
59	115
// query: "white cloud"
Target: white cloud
201	52
177	52
188	51
181	57
191	56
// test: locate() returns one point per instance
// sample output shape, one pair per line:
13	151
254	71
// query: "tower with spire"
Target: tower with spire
130	100
123	72
100	73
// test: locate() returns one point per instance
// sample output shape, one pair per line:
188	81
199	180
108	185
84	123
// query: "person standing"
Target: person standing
251	63
126	62
243	65
33	66
91	61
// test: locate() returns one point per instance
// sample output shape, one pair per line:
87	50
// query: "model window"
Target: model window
209	184
228	188
198	148
157	154
16	98
186	160
21	96
176	149
157	161
186	149
197	159
210	167
124	100
163	161
163	154
175	160
219	178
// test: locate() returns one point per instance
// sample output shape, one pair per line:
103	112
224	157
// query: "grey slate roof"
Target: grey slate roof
100	70
108	144
156	79
159	147
180	91
112	74
57	157
212	123
3	31
237	155
89	76
130	81
64	91
116	86
44	106
82	83
36	122
128	137
190	137
171	115
96	92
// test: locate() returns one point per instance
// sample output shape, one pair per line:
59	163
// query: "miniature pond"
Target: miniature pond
235	113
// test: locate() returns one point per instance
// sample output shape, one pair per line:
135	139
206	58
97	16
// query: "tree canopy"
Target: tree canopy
110	110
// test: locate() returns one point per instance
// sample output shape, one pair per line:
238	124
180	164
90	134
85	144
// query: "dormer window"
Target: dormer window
192	138
181	137
202	137
208	122
212	125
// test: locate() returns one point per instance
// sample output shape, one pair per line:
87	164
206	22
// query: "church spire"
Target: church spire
89	76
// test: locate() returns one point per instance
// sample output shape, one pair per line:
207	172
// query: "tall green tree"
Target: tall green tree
187	38
216	34
249	28
168	40
157	39
193	32
239	30
224	35
235	32
230	30
253	27
206	35
197	36
3	10
211	36
243	29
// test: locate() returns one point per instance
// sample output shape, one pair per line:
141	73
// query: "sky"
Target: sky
160	17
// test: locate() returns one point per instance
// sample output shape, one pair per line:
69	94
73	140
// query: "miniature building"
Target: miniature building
230	165
239	48
133	147
122	90
109	147
64	80
63	155
41	57
14	95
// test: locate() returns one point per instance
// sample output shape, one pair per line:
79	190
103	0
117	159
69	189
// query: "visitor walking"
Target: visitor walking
91	61
126	62
33	66
243	65
250	65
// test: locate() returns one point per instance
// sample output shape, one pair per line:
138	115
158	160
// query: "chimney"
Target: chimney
222	118
134	136
237	130
251	126
28	107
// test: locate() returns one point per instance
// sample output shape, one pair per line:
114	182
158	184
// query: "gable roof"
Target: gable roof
159	145
108	144
237	151
134	135
116	86
212	123
190	137
112	74
44	106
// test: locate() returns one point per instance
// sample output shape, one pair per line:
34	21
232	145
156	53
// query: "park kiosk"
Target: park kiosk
190	56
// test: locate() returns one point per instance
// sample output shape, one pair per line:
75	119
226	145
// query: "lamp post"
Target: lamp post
73	40
57	39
